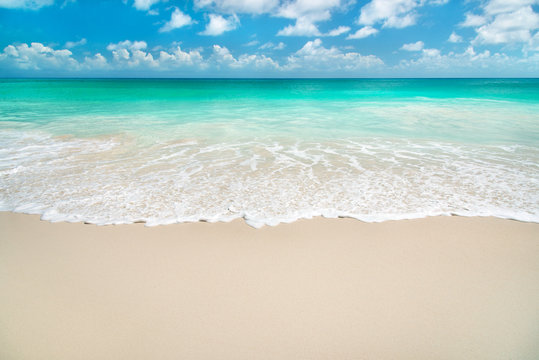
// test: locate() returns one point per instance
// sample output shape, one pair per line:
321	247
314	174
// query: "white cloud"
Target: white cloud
177	58
144	4
432	62
431	52
252	43
239	6
38	57
219	25
126	56
338	31
504	22
302	27
131	54
177	20
222	56
272	46
132	57
72	44
472	20
533	44
314	10
494	7
307	13
25	4
96	62
417	46
510	27
393	13
363	33
127	44
314	56
454	38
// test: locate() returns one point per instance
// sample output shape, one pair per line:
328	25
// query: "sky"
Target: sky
269	38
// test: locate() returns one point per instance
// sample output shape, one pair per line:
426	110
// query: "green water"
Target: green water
437	146
451	109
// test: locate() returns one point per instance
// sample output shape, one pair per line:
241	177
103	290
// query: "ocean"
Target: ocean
160	151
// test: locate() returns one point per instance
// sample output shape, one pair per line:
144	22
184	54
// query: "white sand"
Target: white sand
436	288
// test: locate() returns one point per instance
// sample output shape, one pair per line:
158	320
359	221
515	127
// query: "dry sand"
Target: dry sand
436	288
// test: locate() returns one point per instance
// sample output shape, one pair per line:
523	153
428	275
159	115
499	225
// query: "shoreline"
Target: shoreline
259	224
447	287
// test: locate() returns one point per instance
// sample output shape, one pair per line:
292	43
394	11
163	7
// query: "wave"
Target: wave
119	179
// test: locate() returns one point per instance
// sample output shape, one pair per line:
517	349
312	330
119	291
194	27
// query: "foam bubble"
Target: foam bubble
118	179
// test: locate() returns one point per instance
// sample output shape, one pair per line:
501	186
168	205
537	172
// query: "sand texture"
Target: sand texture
435	288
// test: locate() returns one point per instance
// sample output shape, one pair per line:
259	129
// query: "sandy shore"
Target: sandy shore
437	288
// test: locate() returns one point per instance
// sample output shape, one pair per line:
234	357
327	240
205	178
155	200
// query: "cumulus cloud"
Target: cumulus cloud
126	56
434	62
177	20
312	58
272	46
315	56
96	62
222	56
307	13
144	4
219	25
431	53
132	54
37	57
179	58
25	4
128	44
363	33
509	27
454	38
473	20
239	6
302	27
504	21
393	13
417	46
494	7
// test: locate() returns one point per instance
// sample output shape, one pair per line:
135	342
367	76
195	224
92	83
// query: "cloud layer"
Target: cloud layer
313	57
280	38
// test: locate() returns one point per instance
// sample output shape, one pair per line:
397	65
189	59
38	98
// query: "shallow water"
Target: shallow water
270	151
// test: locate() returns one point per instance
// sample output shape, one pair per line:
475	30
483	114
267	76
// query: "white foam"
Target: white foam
117	180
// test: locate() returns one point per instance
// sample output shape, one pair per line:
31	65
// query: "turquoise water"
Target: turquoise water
269	151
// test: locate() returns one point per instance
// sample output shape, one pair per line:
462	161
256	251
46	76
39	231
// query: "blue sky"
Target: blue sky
269	38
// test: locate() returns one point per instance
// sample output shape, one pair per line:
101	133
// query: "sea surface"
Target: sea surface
112	151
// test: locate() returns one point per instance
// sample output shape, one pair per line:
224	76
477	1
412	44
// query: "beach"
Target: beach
269	219
269	180
435	288
269	151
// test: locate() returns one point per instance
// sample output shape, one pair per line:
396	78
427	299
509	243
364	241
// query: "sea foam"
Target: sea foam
118	180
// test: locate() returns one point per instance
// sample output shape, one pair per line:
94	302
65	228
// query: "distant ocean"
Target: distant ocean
269	151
